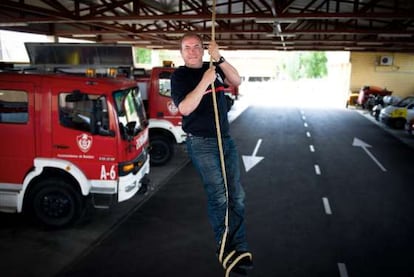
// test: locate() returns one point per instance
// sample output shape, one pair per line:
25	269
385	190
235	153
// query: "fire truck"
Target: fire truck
165	129
70	139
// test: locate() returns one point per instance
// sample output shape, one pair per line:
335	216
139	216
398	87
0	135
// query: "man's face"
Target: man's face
192	52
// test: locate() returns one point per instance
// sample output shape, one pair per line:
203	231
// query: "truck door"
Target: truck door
17	119
162	106
75	137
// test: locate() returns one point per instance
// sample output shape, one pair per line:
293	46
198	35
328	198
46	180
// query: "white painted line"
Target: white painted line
251	161
305	124
317	169
311	148
326	205
302	112
308	134
304	117
342	270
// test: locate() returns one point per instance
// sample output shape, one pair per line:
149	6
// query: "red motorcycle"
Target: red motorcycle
367	93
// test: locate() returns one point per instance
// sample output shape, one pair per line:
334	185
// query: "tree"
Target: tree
313	64
143	55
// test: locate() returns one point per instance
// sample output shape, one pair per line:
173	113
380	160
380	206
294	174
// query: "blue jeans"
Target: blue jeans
205	156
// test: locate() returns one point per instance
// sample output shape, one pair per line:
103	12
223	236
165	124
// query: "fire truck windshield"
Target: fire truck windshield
130	108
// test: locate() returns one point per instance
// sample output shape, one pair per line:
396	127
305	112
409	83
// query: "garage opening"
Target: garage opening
271	78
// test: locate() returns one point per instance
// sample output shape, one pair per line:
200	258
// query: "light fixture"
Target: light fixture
284	48
395	35
174	34
353	48
276	20
84	35
134	41
13	24
369	43
282	42
286	35
154	46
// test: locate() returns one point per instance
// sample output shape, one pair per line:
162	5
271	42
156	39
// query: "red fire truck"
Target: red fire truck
70	140
164	118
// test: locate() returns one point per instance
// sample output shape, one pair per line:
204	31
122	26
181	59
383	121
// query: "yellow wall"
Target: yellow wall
398	77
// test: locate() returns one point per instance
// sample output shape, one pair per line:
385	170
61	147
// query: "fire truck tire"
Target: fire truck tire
55	203
162	150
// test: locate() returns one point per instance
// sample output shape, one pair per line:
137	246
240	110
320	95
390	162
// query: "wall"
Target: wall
398	77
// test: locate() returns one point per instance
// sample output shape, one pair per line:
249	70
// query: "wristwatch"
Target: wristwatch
221	60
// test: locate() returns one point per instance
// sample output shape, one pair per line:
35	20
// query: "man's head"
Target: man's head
191	48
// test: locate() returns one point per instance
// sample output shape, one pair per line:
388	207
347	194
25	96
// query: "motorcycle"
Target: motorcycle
377	109
381	102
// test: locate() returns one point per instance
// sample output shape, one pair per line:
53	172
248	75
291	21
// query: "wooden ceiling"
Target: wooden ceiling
354	25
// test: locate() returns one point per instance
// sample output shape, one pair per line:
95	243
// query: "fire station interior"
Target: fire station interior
351	217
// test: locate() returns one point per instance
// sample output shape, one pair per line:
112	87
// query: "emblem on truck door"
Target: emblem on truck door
84	142
172	108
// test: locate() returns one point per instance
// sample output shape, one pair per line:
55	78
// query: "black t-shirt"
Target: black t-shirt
201	121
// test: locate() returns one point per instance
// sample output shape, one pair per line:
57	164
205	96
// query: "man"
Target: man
191	92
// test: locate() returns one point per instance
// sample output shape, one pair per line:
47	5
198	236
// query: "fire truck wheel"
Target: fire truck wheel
162	150
55	203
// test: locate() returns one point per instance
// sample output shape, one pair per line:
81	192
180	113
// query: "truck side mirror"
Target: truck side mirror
131	128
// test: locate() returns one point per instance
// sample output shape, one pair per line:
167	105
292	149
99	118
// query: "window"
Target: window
85	114
164	83
130	107
13	106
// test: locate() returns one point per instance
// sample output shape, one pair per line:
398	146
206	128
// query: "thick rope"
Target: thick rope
230	267
220	143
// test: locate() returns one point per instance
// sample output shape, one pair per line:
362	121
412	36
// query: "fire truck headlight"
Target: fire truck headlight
133	166
127	167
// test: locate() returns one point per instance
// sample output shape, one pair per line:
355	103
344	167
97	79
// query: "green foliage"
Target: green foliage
313	64
143	55
299	65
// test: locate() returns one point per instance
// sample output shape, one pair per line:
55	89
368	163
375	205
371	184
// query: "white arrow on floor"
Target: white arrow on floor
359	143
250	161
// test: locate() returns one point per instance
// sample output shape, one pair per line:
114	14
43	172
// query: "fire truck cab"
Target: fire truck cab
69	140
165	128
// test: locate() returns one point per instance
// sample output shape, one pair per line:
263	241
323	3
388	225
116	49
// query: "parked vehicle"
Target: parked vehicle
398	114
352	99
164	118
409	126
67	140
366	91
391	99
377	104
381	102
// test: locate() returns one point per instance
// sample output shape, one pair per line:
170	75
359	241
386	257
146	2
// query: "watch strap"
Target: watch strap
221	60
